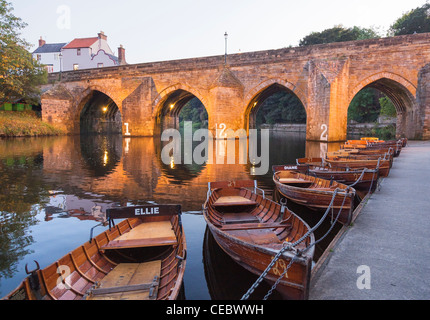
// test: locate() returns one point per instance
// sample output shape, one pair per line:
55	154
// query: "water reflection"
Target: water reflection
53	190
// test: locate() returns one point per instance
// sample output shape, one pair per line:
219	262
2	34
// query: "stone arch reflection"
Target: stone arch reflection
178	173
101	154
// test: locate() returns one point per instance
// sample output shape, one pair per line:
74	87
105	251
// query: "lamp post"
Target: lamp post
61	65
226	40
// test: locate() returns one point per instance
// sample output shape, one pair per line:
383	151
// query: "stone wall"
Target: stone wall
324	77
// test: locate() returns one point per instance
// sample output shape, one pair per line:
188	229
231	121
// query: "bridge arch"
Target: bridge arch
402	94
169	104
98	112
256	97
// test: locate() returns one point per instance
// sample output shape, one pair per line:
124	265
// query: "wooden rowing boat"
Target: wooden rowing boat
141	258
384	166
252	230
364	180
316	193
363	157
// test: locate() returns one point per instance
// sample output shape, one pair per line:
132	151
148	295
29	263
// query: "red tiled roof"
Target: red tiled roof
81	43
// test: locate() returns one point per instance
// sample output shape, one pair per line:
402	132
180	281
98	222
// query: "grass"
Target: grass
25	124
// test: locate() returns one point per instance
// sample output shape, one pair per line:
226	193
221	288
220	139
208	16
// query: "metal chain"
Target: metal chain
289	247
305	250
280	278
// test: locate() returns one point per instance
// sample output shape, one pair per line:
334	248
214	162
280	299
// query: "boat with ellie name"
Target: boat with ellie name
141	258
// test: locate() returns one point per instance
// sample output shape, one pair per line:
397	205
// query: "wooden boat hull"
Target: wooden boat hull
253	246
367	183
294	286
320	198
384	165
91	264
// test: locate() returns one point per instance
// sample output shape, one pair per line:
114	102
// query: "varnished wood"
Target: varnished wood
317	194
92	263
252	235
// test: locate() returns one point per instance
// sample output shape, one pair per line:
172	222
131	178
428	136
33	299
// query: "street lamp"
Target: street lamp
61	65
226	39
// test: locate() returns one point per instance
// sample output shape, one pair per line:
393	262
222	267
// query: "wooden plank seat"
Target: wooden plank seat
255	226
148	234
293	180
240	217
234	201
129	281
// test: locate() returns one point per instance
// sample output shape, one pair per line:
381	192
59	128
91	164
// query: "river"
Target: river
53	189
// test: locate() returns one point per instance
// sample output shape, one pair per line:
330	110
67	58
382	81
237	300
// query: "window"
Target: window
56	56
100	65
50	68
39	57
79	52
76	66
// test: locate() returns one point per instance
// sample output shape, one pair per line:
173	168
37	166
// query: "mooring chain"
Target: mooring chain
280	278
290	247
306	249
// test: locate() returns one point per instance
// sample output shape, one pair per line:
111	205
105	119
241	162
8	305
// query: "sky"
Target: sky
161	30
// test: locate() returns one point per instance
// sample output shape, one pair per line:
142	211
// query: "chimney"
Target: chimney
121	56
41	42
102	36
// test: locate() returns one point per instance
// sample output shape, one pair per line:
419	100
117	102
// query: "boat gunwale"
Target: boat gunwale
317	190
262	248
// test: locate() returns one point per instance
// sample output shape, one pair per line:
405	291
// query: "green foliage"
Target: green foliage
414	21
194	111
19	73
338	34
281	107
365	106
387	107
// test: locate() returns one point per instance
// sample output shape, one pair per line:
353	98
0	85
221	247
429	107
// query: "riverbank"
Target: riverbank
25	124
384	255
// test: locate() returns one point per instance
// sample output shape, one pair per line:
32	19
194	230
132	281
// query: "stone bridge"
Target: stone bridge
147	97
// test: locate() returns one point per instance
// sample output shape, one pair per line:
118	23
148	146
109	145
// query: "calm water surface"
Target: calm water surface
54	190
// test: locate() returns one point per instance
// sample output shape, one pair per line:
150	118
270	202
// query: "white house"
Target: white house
49	55
82	53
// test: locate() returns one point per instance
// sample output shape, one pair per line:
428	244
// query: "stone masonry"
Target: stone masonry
324	77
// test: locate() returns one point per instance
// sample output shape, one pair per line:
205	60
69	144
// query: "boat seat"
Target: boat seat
293	181
149	234
240	217
255	226
258	237
129	281
234	201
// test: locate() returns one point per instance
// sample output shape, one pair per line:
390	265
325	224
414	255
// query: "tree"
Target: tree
20	75
414	21
365	106
281	107
387	107
338	34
